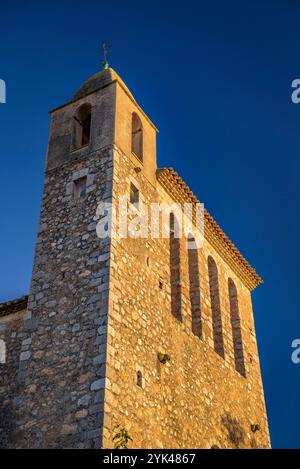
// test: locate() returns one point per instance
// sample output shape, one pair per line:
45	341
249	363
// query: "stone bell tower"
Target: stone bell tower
62	370
139	332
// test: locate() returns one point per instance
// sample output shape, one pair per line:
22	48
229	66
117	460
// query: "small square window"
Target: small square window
134	195
80	188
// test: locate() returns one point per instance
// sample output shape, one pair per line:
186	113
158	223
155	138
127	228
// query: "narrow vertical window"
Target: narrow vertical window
175	269
215	307
194	281
137	136
82	126
236	328
80	188
139	379
86	129
134	195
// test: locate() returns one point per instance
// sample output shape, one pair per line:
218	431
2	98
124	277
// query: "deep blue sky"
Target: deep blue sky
215	78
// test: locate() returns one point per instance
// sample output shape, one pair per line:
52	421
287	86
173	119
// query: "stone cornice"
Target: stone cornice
181	193
13	306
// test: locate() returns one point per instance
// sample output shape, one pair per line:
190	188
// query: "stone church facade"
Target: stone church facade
143	333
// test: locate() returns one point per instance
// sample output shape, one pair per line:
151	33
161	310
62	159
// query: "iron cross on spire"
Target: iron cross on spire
106	49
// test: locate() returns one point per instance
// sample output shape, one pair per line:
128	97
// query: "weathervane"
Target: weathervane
106	49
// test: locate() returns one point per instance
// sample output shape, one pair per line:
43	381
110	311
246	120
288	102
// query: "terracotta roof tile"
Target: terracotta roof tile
172	182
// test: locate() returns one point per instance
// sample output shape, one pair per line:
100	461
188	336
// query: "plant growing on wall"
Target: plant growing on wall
121	437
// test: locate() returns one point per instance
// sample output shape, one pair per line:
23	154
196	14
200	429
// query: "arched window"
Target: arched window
236	328
175	277
215	307
82	126
137	136
194	280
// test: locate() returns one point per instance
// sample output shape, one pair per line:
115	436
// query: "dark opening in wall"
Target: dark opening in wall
236	328
194	281
175	275
82	126
134	195
215	307
137	136
139	379
80	188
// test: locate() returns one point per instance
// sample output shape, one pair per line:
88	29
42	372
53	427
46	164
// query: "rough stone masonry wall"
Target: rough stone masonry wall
61	373
11	331
197	399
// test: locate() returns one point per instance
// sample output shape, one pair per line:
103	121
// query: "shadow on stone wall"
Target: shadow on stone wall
7	423
235	432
